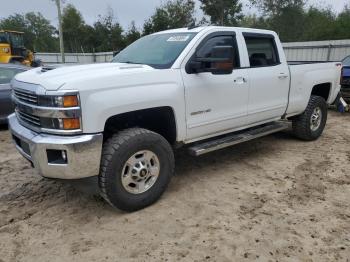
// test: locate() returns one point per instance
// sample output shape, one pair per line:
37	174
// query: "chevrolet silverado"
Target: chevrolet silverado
202	88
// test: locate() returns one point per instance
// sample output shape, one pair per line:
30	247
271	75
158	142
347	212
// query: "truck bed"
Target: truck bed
303	75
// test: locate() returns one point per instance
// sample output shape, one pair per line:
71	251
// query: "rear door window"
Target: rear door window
262	50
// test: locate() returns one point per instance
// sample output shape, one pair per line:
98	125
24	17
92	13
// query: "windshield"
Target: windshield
159	51
16	40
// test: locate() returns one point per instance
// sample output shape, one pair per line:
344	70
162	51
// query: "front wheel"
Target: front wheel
310	125
136	167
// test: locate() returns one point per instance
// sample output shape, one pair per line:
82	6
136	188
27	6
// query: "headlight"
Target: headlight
59	101
61	123
50	113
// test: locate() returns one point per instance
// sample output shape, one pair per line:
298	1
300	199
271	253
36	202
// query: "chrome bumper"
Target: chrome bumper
83	152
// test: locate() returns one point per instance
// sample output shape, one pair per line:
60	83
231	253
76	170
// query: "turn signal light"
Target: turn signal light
70	101
71	123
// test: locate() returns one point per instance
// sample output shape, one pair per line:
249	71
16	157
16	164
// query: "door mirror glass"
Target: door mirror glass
216	55
220	61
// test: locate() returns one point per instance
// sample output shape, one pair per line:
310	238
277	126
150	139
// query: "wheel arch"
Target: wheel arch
322	90
161	120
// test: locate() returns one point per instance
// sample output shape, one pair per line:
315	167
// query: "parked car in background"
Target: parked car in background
7	72
345	79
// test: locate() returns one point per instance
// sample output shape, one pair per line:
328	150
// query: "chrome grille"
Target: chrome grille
26	97
29	119
36	111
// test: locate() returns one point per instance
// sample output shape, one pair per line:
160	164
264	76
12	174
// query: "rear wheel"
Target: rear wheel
136	167
310	125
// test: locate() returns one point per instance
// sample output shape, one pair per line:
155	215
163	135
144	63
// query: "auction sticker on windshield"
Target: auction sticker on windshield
178	38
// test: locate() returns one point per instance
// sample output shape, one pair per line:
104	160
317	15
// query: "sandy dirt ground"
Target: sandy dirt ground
272	199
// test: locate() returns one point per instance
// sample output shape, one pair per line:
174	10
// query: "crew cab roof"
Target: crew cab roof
218	28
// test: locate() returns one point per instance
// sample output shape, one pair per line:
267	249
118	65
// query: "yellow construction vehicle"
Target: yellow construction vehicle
12	49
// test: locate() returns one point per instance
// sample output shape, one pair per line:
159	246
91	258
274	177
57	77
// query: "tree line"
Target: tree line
293	20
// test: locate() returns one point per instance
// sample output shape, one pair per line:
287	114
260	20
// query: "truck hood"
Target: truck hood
53	78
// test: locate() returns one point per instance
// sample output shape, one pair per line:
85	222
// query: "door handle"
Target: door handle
240	80
282	76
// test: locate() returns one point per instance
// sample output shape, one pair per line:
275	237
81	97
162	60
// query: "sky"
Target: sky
124	10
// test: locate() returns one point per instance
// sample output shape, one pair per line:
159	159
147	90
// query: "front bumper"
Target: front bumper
83	152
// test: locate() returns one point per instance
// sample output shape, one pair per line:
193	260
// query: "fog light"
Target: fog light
57	157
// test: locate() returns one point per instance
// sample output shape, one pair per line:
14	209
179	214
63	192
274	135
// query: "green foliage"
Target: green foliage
286	17
38	32
253	21
342	24
75	31
319	24
289	18
173	14
108	34
132	34
293	22
42	32
288	23
223	12
277	7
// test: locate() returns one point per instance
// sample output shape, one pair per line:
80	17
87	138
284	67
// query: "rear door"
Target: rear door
215	102
268	76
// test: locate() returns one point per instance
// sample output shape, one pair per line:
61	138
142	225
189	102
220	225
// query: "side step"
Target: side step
237	138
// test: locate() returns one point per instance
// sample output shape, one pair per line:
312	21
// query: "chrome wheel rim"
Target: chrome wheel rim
316	118
140	172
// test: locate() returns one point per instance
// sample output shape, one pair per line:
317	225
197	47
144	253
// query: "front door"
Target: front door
216	102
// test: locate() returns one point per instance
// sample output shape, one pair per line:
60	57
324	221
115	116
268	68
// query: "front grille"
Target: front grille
41	113
26	97
29	119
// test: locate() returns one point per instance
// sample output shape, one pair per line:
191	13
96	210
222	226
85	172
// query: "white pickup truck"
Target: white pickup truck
204	88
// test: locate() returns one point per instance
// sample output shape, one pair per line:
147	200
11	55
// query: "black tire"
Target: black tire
116	152
302	127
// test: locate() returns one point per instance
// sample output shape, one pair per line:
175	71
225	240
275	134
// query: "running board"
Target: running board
237	138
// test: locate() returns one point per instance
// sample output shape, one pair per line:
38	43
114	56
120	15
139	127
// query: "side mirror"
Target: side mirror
220	61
